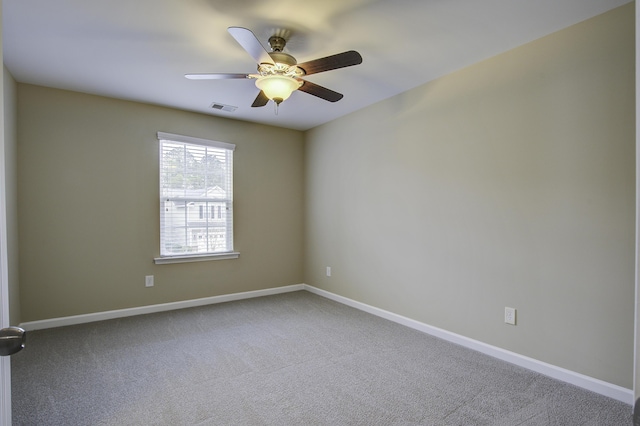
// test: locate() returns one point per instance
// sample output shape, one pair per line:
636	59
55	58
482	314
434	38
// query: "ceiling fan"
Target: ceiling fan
279	74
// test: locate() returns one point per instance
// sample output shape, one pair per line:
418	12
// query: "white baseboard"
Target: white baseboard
592	384
121	313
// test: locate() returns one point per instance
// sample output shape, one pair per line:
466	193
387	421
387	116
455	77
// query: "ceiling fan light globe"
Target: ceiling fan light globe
277	86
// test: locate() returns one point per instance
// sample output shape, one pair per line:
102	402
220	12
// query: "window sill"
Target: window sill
196	258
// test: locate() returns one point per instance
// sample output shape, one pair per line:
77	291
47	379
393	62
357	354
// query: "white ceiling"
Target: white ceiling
140	49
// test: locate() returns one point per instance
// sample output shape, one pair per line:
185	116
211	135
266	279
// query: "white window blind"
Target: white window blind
196	196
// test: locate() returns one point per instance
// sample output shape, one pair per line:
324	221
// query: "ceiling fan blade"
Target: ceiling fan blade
215	76
261	100
340	60
251	44
319	91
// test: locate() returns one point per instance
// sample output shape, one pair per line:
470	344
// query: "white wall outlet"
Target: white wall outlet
510	316
148	281
328	271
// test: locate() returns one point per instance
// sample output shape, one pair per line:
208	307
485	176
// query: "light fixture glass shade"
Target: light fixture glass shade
277	87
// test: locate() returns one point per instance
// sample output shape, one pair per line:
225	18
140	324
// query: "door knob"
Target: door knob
12	340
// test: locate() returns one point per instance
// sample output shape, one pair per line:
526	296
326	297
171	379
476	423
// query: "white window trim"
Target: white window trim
195	257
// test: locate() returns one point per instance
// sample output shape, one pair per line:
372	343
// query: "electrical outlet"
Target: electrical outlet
510	316
328	271
148	281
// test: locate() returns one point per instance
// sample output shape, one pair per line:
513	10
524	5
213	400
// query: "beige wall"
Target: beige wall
88	203
508	183
11	191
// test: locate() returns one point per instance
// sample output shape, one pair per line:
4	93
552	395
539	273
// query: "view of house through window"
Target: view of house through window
196	196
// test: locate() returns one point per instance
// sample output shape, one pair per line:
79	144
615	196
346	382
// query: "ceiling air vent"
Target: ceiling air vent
223	107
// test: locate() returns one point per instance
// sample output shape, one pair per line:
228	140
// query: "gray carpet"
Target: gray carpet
290	359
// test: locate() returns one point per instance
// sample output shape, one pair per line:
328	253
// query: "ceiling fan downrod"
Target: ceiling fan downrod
277	43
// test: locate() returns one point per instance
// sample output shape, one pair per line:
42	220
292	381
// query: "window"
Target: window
196	180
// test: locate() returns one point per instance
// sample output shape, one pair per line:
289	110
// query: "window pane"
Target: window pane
195	181
174	228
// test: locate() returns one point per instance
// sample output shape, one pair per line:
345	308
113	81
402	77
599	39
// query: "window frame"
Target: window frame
165	258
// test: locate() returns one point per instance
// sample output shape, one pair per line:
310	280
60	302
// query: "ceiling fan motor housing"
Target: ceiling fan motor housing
283	58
